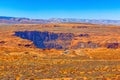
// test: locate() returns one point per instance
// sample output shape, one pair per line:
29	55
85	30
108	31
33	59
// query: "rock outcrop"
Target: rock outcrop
55	40
49	40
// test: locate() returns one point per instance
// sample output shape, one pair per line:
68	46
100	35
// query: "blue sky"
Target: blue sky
86	9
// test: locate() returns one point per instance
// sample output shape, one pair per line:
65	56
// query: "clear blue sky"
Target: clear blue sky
86	9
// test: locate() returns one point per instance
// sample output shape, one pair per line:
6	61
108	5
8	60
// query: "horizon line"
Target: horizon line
59	18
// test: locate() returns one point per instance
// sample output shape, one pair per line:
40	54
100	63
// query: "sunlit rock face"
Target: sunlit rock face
48	40
85	45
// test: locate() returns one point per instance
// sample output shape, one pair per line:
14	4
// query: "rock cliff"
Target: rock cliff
55	40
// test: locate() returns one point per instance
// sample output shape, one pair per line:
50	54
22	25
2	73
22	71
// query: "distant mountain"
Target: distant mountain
92	21
17	20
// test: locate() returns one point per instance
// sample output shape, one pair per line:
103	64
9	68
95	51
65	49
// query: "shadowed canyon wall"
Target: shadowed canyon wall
54	40
48	40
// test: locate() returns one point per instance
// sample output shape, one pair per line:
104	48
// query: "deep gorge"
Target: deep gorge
49	40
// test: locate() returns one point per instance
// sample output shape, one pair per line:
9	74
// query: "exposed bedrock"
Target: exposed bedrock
48	40
113	45
88	44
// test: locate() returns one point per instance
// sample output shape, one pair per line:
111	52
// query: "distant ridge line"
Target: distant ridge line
23	20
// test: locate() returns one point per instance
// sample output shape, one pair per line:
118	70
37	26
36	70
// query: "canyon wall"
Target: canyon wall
48	40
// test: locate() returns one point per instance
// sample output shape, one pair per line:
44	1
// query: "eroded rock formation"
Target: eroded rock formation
49	40
55	40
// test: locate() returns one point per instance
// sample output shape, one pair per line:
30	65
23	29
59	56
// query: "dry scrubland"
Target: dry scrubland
21	60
